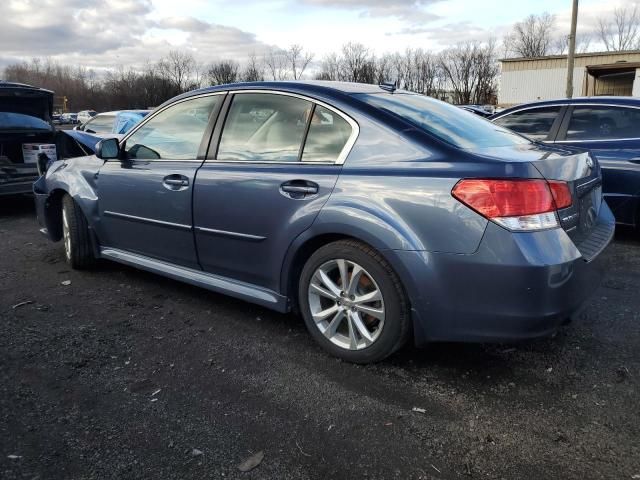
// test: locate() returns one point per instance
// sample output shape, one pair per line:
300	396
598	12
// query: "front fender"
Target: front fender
76	177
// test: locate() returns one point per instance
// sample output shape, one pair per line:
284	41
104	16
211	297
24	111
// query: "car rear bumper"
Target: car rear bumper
516	286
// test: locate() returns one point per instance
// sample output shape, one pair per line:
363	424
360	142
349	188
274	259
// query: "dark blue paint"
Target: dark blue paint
619	159
466	278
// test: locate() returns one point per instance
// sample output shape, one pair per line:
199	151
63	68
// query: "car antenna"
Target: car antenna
389	86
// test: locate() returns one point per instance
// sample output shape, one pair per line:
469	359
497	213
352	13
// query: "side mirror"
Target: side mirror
108	149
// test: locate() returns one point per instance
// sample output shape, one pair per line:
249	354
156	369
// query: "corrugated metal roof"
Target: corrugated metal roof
563	57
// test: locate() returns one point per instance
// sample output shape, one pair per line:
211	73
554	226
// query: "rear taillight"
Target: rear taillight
561	193
516	204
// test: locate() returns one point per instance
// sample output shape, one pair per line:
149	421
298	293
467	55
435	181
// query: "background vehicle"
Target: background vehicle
85	115
117	122
607	126
69	119
25	117
378	214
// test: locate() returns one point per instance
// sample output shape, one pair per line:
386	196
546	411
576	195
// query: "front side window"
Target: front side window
264	127
534	122
328	134
603	123
174	133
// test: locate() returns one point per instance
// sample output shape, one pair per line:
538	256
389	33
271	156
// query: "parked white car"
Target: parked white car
85	115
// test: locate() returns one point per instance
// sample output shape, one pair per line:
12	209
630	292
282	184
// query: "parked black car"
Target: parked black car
25	118
609	127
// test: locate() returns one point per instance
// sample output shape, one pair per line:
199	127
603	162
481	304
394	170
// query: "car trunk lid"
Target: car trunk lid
582	173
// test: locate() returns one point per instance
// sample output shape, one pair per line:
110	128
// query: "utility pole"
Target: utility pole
572	49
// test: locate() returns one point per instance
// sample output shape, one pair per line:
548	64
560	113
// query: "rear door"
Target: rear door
145	197
612	134
277	161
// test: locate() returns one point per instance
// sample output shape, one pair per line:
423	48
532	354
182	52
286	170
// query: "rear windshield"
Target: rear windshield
447	122
18	121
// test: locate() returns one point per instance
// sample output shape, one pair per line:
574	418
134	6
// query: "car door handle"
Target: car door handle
175	182
299	188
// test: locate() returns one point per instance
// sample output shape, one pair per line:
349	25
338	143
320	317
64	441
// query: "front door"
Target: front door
278	159
145	197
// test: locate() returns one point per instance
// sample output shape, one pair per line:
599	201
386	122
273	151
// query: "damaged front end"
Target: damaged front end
29	142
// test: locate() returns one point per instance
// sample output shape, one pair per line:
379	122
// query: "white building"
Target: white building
545	78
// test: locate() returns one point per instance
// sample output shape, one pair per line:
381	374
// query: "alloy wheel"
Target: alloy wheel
346	304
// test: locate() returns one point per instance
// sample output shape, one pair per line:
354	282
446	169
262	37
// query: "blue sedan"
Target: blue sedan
607	126
380	215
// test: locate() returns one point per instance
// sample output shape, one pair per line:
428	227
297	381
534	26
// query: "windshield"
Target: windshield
19	121
447	122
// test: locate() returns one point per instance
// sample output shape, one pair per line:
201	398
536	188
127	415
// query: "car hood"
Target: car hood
89	140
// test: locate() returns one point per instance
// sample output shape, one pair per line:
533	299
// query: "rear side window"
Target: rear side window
263	127
174	133
328	134
534	122
449	123
603	123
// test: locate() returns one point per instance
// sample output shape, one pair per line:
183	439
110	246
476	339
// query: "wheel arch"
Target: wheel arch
53	213
310	241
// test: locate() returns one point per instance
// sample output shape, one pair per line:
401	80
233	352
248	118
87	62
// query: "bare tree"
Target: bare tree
275	60
180	68
298	60
330	68
357	64
531	37
561	44
470	70
225	71
254	71
621	31
384	69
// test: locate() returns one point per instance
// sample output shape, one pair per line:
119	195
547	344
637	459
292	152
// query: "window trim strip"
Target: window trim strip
346	150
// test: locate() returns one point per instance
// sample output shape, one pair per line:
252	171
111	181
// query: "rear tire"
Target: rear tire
353	303
75	235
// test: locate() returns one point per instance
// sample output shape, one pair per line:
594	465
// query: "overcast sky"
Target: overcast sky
109	33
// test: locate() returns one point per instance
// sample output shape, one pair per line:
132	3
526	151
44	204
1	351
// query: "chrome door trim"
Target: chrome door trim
344	153
152	221
225	233
216	283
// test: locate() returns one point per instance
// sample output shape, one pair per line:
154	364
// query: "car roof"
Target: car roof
325	88
599	100
311	86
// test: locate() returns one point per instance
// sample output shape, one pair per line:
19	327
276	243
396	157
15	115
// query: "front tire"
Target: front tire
353	303
75	235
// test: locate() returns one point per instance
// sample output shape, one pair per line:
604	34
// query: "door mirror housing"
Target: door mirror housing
108	149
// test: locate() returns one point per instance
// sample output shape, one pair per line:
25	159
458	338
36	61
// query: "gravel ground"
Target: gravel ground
122	374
